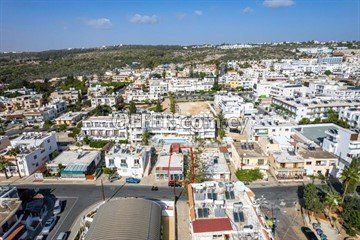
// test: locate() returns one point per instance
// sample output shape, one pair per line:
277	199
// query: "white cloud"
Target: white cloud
101	23
144	19
278	3
180	16
247	10
198	12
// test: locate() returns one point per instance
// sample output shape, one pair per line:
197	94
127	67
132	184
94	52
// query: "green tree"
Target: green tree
351	215
304	121
172	103
332	199
350	176
146	137
3	166
158	107
132	107
332	116
327	73
14	151
312	199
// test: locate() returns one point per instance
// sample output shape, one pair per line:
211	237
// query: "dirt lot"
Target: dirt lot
192	108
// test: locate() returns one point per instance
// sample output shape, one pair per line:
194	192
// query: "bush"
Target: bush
249	175
98	143
108	170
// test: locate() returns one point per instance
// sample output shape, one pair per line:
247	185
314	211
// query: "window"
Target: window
136	161
261	161
35	156
111	162
123	161
282	165
308	163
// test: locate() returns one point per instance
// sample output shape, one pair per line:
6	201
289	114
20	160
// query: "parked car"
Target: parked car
62	236
132	180
49	224
310	235
57	207
113	178
174	183
40	237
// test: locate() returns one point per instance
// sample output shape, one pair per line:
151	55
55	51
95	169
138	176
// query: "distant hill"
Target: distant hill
15	68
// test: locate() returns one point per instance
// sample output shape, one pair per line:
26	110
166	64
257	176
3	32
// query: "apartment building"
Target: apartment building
259	126
158	87
105	128
122	127
343	143
110	100
24	102
249	155
128	160
216	167
225	210
70	118
45	113
313	107
96	91
190	84
35	150
316	50
141	96
71	96
76	164
233	106
352	116
288	90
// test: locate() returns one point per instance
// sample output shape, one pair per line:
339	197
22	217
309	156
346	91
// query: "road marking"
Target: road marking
63	219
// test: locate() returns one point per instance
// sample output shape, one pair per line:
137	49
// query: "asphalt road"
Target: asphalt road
79	197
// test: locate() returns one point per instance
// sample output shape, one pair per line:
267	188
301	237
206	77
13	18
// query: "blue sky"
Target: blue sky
54	24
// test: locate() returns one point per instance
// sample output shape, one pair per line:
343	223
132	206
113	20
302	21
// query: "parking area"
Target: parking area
62	225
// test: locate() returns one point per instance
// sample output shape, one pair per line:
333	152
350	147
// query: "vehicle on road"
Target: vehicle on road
62	236
132	180
310	235
174	184
49	224
40	237
113	178
154	188
57	207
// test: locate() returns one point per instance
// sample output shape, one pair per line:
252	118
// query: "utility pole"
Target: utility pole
103	191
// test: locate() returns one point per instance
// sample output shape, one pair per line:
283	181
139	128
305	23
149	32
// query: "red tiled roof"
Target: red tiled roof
211	225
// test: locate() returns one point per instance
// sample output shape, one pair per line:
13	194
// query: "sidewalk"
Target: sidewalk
75	227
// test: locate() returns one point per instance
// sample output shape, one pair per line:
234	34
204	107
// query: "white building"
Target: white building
233	106
312	107
343	143
34	150
77	164
141	96
110	100
288	90
215	164
352	116
129	161
125	127
161	168
158	87
225	210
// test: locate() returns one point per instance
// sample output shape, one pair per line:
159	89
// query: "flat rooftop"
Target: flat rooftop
75	157
250	149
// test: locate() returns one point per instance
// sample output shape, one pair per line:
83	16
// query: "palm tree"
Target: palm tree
332	199
3	166
350	175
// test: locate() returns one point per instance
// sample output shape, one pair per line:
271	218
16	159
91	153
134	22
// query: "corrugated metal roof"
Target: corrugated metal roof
130	218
